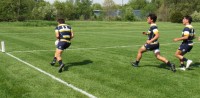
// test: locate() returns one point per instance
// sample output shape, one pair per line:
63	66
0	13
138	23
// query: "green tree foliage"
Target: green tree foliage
61	9
196	16
12	10
163	13
83	9
181	7
186	7
20	10
96	6
137	4
43	10
129	14
176	17
73	9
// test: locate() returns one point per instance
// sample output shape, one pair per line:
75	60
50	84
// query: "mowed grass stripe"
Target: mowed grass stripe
18	80
53	77
107	72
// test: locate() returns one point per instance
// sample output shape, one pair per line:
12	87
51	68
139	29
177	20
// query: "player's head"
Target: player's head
187	19
151	18
61	21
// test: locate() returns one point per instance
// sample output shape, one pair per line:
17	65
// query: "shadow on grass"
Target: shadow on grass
164	66
81	63
195	64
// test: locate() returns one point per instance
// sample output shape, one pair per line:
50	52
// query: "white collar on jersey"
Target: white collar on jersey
153	24
189	26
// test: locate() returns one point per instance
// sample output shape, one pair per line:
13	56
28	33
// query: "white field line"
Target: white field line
53	77
90	48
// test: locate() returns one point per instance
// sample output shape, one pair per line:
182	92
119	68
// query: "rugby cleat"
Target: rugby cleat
134	64
173	68
189	62
52	63
61	67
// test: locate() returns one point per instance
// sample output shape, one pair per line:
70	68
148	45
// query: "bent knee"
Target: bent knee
158	56
177	54
142	49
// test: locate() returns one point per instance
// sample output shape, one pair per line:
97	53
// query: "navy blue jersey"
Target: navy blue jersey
152	31
64	32
188	31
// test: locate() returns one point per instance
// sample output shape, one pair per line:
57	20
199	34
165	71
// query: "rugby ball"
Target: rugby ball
56	42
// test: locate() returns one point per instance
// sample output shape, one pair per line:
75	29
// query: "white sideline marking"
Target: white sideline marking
53	77
92	48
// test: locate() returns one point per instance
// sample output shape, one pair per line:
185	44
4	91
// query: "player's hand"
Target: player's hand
148	41
199	38
176	39
145	33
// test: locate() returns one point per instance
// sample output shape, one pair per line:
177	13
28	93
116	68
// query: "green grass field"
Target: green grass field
98	59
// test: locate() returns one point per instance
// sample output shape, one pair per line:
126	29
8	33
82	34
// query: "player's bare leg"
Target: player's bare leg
139	56
181	57
163	59
59	59
54	60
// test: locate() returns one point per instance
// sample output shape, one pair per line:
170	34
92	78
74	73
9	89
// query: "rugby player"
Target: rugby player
188	35
64	34
152	43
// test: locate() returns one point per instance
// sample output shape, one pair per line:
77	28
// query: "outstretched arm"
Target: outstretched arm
181	38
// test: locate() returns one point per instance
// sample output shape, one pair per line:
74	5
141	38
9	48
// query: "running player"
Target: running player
64	34
152	43
188	35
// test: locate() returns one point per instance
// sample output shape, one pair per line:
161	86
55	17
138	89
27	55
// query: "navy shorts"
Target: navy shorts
152	46
185	48
63	45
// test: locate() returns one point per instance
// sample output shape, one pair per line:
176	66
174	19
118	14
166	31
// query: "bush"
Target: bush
21	18
129	14
176	17
195	16
82	17
118	18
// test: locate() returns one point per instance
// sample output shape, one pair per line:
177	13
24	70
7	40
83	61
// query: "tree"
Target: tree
137	4
196	16
43	11
129	14
96	6
13	10
183	6
84	9
109	8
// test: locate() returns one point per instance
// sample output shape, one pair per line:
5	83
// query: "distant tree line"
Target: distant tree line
167	10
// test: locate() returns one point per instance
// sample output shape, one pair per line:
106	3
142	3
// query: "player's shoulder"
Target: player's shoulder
153	26
188	27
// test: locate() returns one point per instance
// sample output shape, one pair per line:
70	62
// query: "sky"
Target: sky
99	1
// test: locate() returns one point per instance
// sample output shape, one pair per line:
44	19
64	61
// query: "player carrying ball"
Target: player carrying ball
64	34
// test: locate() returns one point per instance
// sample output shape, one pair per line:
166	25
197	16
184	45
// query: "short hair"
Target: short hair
153	17
189	18
61	21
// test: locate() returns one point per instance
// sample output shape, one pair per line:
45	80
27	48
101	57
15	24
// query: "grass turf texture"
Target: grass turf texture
98	59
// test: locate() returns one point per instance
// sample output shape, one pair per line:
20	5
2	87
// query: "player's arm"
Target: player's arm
155	37
57	34
144	33
186	35
72	34
181	38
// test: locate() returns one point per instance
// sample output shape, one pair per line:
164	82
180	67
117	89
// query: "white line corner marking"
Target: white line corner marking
53	77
